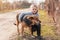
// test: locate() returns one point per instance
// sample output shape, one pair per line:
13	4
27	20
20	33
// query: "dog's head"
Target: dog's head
32	19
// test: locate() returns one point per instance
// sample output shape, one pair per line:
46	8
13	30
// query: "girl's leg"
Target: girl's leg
39	30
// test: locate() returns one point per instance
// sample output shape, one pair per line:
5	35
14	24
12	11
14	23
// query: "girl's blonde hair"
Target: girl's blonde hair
33	5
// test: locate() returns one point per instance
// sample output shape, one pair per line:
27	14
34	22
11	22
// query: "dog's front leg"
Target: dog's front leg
30	28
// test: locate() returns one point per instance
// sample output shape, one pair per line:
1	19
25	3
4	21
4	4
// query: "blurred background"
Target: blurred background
49	13
19	4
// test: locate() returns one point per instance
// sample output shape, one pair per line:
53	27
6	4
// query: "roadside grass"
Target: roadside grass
10	10
4	11
47	26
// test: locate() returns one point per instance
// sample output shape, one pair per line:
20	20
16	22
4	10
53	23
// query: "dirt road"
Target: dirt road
7	28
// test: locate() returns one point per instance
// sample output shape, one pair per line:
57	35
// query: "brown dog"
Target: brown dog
23	25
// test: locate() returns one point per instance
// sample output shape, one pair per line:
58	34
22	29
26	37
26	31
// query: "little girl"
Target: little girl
33	11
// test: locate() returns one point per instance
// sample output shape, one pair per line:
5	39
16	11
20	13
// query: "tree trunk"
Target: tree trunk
54	11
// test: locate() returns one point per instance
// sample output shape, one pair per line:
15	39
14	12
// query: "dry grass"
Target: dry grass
4	11
47	28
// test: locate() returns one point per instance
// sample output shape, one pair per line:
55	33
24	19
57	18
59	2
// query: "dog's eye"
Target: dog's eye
31	18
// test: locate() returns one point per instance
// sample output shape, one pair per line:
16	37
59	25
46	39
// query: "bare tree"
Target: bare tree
54	11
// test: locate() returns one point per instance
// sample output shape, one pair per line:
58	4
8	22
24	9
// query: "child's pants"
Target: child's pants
36	27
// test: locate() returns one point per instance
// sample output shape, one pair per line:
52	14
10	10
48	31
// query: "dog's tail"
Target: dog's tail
17	21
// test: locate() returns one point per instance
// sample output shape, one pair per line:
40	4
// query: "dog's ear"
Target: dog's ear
31	18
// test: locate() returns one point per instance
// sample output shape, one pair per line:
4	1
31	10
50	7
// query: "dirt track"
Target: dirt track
7	28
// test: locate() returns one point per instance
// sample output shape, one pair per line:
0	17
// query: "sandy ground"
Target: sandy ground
7	28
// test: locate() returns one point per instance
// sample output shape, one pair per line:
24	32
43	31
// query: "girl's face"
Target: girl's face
34	10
